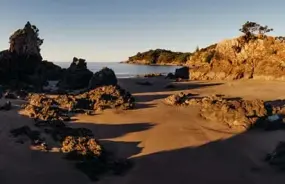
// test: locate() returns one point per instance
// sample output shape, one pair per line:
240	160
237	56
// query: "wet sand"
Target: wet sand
167	144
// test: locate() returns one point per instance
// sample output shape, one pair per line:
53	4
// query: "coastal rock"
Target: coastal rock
81	146
77	76
182	73
21	66
170	76
258	58
240	114
159	57
104	77
177	99
110	97
235	113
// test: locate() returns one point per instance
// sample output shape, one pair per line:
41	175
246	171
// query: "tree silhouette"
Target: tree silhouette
251	29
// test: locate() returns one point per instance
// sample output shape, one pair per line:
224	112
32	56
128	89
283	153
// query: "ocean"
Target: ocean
123	70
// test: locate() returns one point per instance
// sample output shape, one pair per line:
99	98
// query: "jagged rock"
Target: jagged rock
170	76
177	99
235	113
26	41
110	97
81	146
77	76
21	66
241	114
259	58
45	108
182	73
104	77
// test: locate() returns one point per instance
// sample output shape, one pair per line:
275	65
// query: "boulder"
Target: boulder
77	76
182	73
104	77
81	146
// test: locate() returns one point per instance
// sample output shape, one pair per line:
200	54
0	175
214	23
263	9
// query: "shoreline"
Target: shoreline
137	63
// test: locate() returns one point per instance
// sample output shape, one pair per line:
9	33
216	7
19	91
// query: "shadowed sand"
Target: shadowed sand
167	144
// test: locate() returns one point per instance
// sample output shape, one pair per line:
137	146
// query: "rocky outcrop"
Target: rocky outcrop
258	58
77	76
104	77
159	57
237	114
182	73
21	66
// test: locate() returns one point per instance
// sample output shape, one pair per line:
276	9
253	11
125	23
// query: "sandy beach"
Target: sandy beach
166	144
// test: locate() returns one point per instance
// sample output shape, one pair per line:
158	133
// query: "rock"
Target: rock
110	97
259	58
177	99
47	108
81	146
182	73
170	76
235	113
21	66
104	77
77	76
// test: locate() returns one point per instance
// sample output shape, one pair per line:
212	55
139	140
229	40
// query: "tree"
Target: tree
250	29
197	49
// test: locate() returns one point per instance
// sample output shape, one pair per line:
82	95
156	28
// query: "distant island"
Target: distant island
159	57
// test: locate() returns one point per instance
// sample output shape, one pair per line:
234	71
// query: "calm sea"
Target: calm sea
123	70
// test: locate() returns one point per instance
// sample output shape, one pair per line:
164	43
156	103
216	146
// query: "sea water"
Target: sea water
123	70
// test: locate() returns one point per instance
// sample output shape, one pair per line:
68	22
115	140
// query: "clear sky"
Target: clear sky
112	30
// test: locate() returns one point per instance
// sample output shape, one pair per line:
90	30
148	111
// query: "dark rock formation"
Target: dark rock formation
104	77
182	73
21	66
77	76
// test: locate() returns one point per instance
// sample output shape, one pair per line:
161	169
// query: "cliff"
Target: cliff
159	57
260	57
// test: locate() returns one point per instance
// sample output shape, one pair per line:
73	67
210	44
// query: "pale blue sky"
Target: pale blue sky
112	30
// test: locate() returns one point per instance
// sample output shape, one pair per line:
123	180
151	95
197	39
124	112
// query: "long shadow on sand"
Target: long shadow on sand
159	85
236	160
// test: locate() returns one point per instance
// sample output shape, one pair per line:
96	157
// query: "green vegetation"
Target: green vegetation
160	56
251	29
